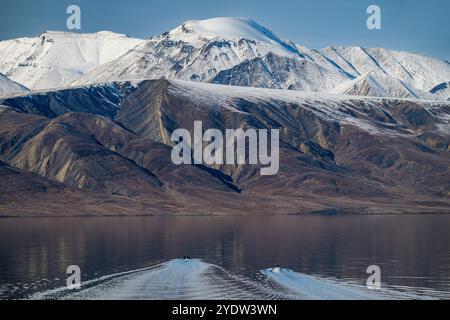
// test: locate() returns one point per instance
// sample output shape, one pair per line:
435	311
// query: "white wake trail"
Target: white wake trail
193	279
179	279
307	287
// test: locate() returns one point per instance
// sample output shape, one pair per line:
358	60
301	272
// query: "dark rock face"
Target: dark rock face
440	87
101	99
245	74
273	71
337	155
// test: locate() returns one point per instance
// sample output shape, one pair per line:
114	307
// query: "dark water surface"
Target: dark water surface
413	251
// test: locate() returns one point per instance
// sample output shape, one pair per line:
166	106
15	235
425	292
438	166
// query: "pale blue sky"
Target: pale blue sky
412	25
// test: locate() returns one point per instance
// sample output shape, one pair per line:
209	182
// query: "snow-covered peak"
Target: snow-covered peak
198	50
227	28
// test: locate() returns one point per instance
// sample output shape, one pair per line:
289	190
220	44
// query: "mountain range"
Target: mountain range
106	150
231	51
361	130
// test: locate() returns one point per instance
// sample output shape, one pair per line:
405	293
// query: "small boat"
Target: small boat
277	268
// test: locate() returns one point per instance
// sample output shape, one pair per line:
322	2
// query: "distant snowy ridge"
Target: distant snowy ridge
417	73
56	59
381	85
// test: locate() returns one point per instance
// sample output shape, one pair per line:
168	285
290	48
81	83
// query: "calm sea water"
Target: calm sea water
413	251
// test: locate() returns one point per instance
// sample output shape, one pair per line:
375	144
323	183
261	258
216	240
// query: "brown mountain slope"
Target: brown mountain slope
358	149
337	154
102	99
28	194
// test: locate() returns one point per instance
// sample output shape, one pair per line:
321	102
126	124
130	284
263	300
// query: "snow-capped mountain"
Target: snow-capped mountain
239	51
56	59
231	51
8	86
200	50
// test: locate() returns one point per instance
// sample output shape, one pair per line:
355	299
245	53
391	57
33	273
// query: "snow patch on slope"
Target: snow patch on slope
334	107
7	86
365	85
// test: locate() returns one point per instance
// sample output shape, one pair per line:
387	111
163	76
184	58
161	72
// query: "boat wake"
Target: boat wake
307	287
179	279
186	279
